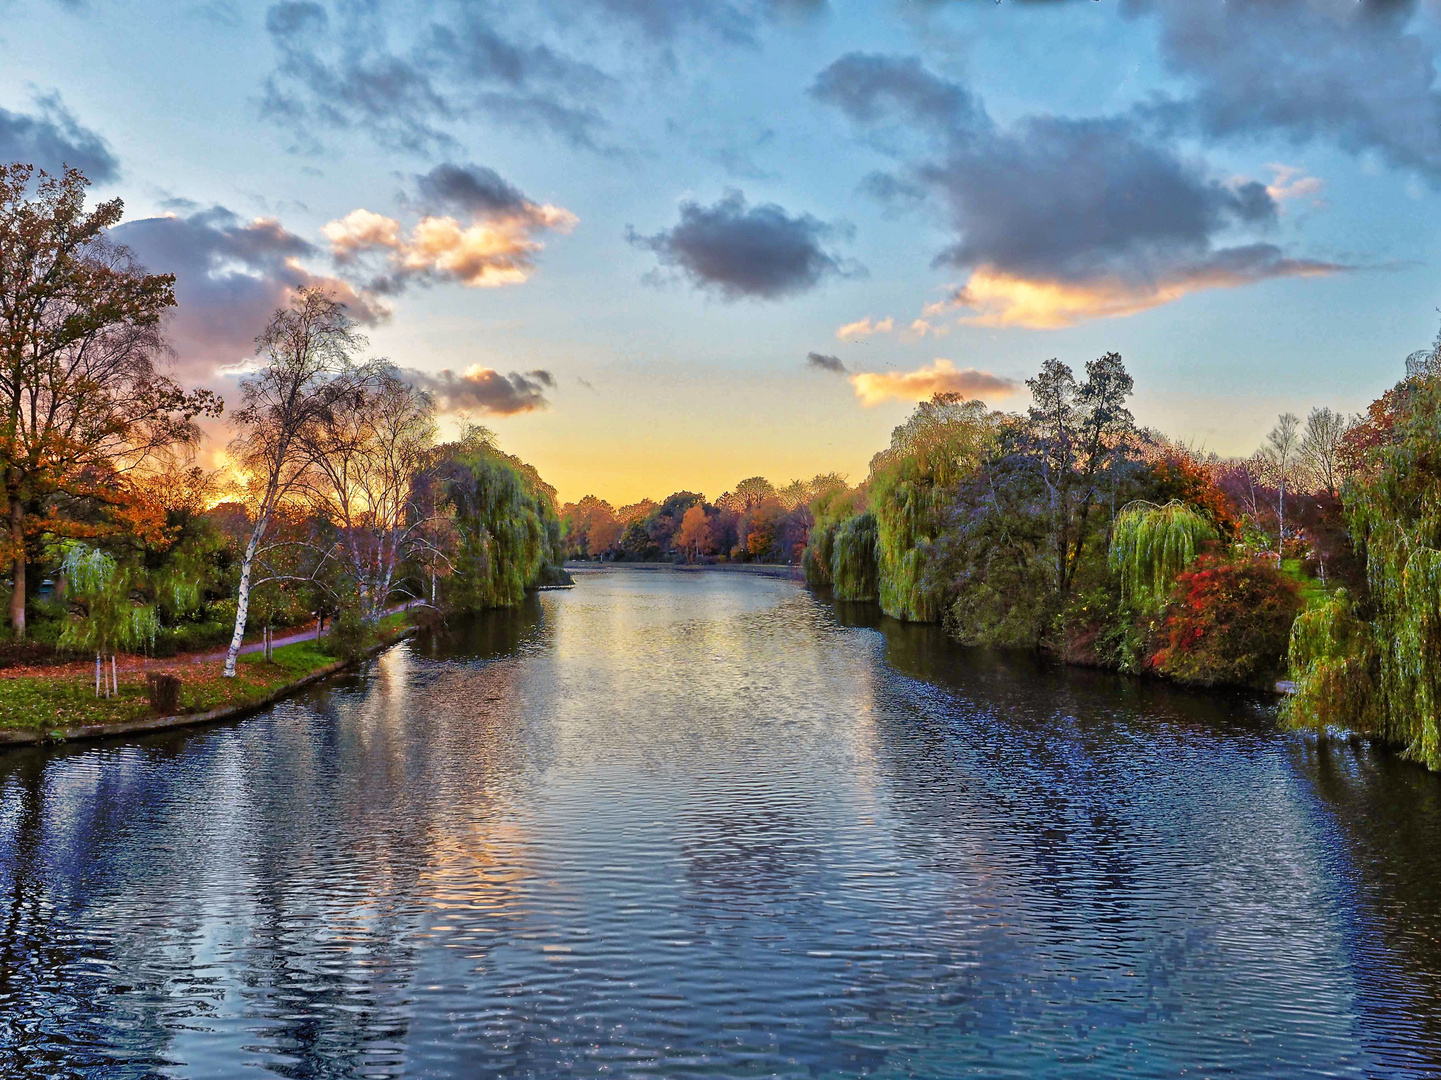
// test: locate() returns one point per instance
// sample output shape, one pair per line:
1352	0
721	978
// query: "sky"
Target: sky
668	244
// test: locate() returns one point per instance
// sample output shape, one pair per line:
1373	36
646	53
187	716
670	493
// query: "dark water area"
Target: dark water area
686	824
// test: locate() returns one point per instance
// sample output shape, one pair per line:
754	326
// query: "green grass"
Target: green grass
47	702
1312	591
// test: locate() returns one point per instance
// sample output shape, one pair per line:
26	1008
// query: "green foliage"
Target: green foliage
510	533
1227	623
1334	664
1151	545
112	619
853	566
945	440
832	506
1393	508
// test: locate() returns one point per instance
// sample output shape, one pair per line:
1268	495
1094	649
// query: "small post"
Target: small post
97	674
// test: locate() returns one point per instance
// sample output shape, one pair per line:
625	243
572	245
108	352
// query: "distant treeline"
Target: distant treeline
1071	530
757	522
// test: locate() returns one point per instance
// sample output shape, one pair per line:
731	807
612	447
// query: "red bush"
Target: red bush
1228	622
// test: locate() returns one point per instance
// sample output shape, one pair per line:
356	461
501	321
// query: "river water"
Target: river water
680	824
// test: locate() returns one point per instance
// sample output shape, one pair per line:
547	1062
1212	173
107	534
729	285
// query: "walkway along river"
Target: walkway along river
676	825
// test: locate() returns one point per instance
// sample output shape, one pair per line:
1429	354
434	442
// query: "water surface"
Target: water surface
683	824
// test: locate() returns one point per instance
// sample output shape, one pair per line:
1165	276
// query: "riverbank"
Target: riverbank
58	703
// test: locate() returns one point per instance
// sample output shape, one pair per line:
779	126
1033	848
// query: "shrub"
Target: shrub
1228	622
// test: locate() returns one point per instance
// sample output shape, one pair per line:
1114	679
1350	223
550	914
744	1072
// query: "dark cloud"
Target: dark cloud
482	390
51	138
1103	212
343	70
760	251
1360	75
407	76
823	362
868	88
230	276
472	190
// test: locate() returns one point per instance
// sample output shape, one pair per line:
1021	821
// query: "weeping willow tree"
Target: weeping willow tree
1390	662
830	508
854	569
507	526
911	483
1150	545
112	620
1334	664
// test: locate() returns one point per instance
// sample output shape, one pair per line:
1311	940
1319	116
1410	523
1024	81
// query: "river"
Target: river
676	824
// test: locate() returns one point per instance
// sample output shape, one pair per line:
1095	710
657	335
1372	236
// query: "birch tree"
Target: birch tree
1281	455
308	372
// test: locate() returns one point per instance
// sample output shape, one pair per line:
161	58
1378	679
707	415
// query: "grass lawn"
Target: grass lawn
1311	589
67	697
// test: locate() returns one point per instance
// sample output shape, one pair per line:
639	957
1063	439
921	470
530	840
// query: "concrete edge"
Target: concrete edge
23	737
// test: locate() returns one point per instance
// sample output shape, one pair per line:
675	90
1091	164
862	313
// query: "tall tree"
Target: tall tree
1080	436
308	372
1281	455
693	536
368	450
83	403
1321	448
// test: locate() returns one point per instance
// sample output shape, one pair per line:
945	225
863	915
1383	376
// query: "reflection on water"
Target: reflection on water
683	824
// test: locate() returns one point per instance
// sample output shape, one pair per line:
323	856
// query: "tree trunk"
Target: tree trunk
17	543
242	597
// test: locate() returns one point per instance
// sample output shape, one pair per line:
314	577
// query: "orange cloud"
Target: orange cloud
873	387
865	327
1001	299
486	254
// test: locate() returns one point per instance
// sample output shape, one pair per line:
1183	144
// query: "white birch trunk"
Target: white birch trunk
242	597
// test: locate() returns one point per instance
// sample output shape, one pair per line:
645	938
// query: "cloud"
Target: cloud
920	328
1361	76
824	362
230	276
864	327
739	251
941	377
1096	215
51	138
1001	299
1291	182
484	390
473	190
497	247
408	74
344	72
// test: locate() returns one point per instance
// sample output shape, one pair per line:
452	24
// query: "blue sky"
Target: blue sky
1239	198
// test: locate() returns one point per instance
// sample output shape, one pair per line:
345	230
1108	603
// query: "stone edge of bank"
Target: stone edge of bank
10	737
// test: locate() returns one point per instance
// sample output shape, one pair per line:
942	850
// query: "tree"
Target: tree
1281	456
83	403
368	449
693	536
1080	435
308	372
1321	448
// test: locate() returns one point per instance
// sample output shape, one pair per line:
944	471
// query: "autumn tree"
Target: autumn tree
693	536
308	373
80	335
